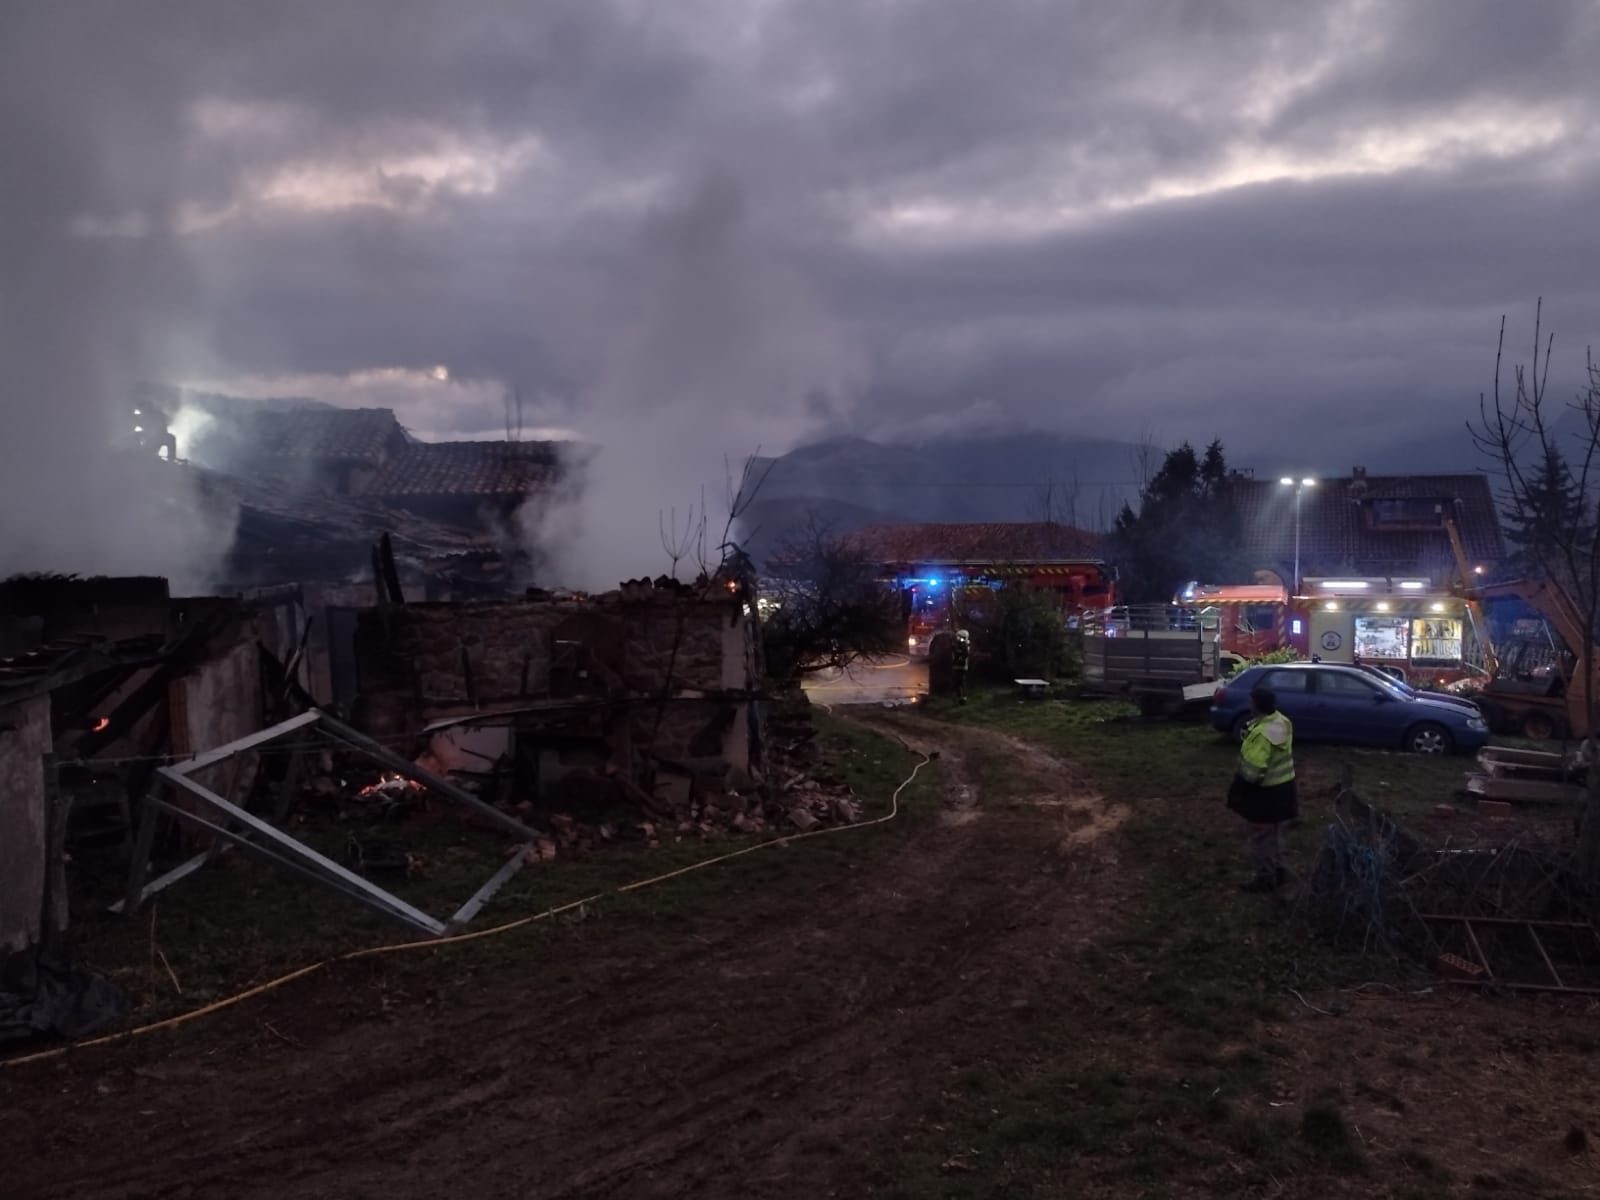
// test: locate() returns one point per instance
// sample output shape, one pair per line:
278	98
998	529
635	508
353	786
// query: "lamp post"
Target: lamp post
1299	486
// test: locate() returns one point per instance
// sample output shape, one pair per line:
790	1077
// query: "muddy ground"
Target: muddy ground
960	1013
722	1068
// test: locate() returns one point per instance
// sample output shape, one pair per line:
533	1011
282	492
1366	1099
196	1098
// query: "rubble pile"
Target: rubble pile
590	808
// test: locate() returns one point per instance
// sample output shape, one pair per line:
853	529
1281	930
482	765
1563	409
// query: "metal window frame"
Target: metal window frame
236	828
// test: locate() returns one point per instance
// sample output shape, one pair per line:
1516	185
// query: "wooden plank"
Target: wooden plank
1527	791
57	811
139	860
1509	754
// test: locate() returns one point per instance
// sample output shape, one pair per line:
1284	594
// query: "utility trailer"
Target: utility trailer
1167	658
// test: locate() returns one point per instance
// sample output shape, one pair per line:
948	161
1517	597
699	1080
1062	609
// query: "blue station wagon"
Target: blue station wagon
1332	703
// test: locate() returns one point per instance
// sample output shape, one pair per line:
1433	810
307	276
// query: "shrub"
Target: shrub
1014	631
1282	655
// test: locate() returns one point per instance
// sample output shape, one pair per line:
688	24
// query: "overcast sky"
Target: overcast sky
1280	223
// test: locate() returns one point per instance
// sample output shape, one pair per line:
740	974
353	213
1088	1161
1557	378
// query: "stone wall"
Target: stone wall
506	650
24	741
427	660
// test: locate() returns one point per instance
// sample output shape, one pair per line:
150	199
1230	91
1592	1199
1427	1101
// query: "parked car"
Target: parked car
1329	702
1414	693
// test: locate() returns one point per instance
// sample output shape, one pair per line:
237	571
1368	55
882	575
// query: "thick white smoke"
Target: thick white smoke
726	350
81	315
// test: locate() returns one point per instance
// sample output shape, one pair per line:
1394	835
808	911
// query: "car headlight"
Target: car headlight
1477	724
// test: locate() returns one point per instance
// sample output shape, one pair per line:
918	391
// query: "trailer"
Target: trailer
1167	658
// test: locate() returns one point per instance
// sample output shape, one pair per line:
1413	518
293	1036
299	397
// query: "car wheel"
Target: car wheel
1429	738
1539	726
1241	725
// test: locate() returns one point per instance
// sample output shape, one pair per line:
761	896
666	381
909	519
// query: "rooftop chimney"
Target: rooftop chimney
1358	479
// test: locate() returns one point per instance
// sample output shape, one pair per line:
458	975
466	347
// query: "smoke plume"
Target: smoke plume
725	350
81	313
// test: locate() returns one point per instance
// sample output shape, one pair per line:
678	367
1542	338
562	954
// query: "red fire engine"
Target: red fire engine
1406	627
933	595
1250	618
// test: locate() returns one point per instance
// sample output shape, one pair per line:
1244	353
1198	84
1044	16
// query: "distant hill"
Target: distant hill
852	482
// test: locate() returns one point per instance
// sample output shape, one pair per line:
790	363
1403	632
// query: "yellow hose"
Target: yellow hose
430	943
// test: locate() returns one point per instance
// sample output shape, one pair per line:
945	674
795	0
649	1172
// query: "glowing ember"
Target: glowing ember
102	724
388	785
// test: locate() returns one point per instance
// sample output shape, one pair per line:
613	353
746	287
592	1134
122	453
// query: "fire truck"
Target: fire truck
1407	628
1250	619
932	596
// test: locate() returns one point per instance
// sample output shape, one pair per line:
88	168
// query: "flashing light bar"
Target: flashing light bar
1342	584
1412	585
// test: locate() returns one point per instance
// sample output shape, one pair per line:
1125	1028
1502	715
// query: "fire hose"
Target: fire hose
456	939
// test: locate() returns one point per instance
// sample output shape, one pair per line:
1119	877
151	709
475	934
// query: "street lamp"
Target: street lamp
1299	486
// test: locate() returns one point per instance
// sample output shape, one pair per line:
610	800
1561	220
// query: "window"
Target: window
1349	687
1381	637
1287	681
1436	641
1260	618
1406	514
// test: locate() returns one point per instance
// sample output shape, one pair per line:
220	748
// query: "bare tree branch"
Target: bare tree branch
832	609
1512	429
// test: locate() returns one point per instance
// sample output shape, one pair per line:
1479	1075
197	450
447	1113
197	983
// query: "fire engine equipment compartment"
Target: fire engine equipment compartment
1401	625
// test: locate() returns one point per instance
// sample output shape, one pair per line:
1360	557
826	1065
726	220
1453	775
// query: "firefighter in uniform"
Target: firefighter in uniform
1263	789
152	428
960	659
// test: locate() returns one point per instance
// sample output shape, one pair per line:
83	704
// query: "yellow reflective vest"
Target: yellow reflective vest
1267	756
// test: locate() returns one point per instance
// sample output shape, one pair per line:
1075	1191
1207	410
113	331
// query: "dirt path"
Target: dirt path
733	1067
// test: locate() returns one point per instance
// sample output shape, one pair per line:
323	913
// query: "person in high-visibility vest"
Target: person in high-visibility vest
1263	790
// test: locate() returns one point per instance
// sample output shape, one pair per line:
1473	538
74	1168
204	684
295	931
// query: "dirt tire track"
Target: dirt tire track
724	1061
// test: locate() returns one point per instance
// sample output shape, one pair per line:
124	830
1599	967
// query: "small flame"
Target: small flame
102	724
391	782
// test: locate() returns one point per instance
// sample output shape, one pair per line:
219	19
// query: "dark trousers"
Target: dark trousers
1266	848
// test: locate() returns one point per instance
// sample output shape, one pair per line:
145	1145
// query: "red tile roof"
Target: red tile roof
467	469
1335	536
359	435
986	543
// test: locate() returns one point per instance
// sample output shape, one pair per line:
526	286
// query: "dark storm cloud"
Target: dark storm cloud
1178	214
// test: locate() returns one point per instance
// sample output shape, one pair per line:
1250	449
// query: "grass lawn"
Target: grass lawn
1185	1055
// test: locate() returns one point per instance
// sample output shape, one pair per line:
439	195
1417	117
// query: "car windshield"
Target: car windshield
1394	685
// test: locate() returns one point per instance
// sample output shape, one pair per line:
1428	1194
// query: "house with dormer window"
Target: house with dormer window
1370	526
